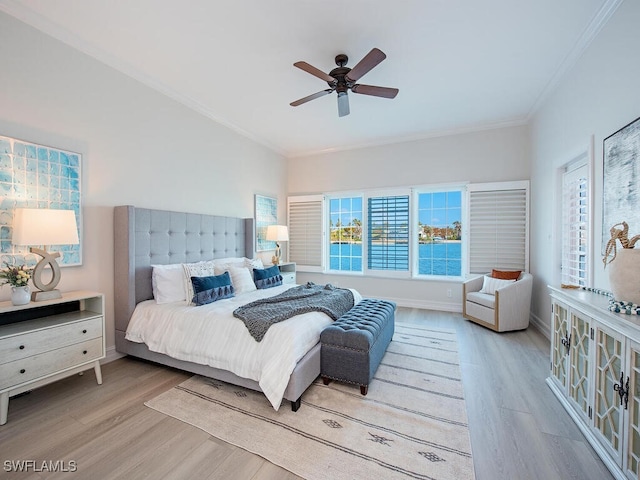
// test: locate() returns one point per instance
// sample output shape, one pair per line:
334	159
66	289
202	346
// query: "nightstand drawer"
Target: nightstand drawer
32	343
36	366
288	277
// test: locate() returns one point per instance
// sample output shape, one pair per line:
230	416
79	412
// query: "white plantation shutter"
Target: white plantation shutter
498	227
575	226
306	234
388	233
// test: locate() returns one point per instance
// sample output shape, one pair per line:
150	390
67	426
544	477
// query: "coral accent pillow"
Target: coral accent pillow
505	275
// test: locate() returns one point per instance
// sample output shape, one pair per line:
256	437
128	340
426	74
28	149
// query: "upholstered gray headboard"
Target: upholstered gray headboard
144	237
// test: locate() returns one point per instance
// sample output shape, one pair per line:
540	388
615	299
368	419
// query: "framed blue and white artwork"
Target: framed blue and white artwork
266	211
621	180
37	176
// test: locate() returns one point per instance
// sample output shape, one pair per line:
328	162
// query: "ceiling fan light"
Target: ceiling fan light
343	104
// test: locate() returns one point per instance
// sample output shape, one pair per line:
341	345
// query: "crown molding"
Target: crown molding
588	35
515	122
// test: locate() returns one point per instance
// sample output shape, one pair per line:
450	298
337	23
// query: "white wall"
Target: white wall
598	96
484	156
139	147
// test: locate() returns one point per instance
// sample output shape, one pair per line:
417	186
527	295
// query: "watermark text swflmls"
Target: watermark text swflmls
40	466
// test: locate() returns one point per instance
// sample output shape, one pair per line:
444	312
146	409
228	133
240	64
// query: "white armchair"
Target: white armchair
508	310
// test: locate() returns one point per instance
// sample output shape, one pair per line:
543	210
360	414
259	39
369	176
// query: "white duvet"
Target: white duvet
211	335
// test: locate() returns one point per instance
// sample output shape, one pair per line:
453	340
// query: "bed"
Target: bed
146	237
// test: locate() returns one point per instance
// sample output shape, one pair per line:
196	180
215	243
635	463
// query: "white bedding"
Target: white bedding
211	335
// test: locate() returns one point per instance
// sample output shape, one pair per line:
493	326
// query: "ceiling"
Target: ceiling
460	65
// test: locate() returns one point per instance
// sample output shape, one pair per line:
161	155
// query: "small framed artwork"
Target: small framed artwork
266	213
621	180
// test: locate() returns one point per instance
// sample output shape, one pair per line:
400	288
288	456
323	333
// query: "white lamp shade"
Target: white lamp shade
277	233
41	226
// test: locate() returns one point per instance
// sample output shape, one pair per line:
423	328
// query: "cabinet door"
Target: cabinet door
559	343
608	412
633	441
579	373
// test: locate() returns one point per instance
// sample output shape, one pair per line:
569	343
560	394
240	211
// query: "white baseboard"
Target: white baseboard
112	354
541	326
427	305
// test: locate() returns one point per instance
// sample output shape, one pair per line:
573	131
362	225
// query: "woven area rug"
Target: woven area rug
411	424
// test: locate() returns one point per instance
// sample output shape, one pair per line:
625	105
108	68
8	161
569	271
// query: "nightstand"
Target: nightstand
288	272
43	342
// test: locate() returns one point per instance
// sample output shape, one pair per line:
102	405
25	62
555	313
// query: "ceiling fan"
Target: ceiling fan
342	79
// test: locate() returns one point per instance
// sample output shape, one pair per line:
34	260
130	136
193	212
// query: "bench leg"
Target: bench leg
364	389
326	380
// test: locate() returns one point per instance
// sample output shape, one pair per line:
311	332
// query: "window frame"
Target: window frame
441	188
580	165
327	236
365	250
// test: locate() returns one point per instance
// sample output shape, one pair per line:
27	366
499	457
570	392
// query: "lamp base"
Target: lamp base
48	295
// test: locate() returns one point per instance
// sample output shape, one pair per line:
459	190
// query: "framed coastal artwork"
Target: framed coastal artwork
621	180
38	176
266	213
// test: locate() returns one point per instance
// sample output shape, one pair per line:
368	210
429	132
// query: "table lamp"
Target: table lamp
277	233
45	227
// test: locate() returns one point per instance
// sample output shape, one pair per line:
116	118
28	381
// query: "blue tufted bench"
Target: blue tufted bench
352	347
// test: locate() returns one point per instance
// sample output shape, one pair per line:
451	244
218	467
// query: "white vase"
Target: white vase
624	275
20	295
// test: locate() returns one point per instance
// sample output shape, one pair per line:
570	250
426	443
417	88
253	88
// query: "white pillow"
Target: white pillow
253	263
223	264
168	283
242	279
199	269
490	284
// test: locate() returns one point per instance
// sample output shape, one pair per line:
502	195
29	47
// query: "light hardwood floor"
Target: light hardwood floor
518	429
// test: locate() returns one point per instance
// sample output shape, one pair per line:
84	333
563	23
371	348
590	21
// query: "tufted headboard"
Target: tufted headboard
144	237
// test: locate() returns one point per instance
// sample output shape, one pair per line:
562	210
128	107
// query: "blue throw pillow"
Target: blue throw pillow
267	277
210	289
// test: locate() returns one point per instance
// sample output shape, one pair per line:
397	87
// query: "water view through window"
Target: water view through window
439	235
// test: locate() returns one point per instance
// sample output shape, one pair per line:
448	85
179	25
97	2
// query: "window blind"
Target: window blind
306	233
575	226
388	233
498	230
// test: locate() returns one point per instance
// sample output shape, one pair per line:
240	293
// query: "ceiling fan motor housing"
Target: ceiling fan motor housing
340	73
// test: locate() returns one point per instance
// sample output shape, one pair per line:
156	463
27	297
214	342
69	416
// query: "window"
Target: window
388	233
345	234
402	233
575	225
440	233
498	226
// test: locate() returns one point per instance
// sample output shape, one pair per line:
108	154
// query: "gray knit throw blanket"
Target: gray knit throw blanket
258	316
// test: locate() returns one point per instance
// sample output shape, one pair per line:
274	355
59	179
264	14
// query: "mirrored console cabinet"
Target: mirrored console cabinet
595	373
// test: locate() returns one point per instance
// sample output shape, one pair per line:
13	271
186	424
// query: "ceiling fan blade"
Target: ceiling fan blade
384	92
370	60
315	71
311	97
343	104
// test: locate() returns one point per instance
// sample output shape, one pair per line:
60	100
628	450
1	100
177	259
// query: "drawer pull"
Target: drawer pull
21	347
84	352
22	370
84	331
